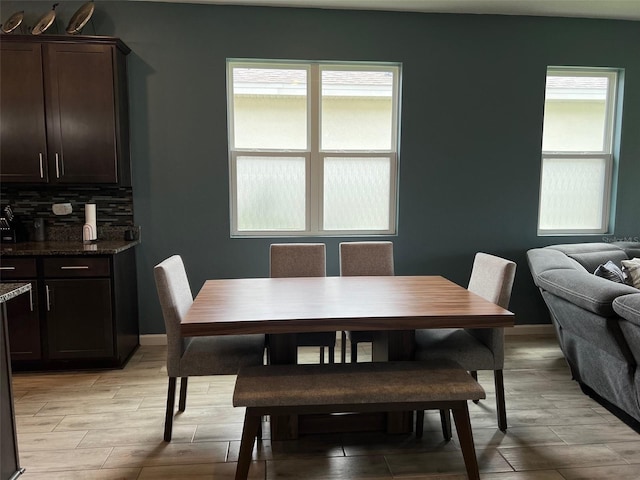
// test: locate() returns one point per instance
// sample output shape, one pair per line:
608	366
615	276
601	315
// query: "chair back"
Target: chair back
297	260
366	258
174	293
492	278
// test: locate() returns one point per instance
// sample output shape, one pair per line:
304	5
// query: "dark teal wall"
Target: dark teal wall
472	104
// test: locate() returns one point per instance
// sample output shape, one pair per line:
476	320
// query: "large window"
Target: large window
313	147
577	151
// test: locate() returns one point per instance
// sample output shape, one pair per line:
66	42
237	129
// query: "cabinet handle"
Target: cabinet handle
31	298
75	267
7	268
41	166
57	166
48	298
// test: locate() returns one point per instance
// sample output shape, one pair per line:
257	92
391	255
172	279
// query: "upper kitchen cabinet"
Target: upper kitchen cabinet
64	110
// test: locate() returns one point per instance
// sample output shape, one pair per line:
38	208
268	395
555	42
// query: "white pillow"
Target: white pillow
631	268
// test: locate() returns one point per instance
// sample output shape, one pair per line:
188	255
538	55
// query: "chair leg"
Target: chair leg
445	420
501	408
354	352
332	355
343	347
183	394
474	375
171	399
419	423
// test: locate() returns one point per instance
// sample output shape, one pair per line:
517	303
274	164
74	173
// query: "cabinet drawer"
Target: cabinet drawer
13	268
66	267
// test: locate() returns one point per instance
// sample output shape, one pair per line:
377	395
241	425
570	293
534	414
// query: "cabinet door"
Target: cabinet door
79	318
22	115
24	326
79	91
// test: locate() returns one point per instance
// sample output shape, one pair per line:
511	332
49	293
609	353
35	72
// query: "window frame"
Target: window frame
314	155
606	154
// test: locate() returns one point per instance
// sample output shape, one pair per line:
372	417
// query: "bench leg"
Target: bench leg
463	426
249	433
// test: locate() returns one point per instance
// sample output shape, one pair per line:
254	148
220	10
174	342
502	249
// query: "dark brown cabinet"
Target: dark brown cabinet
79	315
64	111
84	311
23	319
23	134
24	326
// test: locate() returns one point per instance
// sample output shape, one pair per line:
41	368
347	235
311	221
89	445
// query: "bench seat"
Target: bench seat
355	387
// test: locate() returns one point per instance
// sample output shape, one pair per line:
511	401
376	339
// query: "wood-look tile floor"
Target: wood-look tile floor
108	425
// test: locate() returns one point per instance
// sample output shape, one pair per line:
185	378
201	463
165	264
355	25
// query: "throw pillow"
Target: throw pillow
610	271
632	269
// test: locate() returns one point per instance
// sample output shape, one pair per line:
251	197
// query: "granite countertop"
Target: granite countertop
101	247
10	290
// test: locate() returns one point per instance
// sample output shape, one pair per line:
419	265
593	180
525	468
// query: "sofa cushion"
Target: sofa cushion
632	270
628	307
610	271
584	289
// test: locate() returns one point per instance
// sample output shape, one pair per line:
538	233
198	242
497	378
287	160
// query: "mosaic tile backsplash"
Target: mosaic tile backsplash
114	206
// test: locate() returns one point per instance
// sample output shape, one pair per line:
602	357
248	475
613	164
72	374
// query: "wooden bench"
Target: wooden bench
355	387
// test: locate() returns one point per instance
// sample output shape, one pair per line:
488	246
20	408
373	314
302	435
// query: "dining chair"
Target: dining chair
474	349
195	356
303	260
363	259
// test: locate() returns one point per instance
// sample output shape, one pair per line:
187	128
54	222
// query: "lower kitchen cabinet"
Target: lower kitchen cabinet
83	312
24	326
79	318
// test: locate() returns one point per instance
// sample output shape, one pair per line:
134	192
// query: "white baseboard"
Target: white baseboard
153	339
533	330
545	330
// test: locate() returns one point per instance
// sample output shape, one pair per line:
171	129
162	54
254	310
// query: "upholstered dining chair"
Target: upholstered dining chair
474	349
195	356
363	258
303	260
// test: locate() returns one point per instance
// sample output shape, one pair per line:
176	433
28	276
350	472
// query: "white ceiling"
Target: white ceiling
614	9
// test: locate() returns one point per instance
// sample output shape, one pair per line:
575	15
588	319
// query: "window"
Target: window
313	147
577	151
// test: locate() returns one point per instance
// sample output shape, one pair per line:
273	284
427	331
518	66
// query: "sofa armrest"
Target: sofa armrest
628	307
588	291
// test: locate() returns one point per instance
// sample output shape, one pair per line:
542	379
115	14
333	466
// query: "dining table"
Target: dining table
394	306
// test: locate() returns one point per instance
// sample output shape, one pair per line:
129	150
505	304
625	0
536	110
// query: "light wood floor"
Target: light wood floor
108	425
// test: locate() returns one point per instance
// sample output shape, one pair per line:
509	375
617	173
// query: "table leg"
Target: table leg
390	346
283	351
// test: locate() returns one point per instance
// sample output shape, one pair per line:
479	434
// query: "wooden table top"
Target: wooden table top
318	304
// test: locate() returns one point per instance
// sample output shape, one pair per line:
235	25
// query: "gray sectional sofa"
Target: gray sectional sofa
597	320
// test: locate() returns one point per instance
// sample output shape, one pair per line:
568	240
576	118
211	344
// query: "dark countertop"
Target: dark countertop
10	290
101	247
